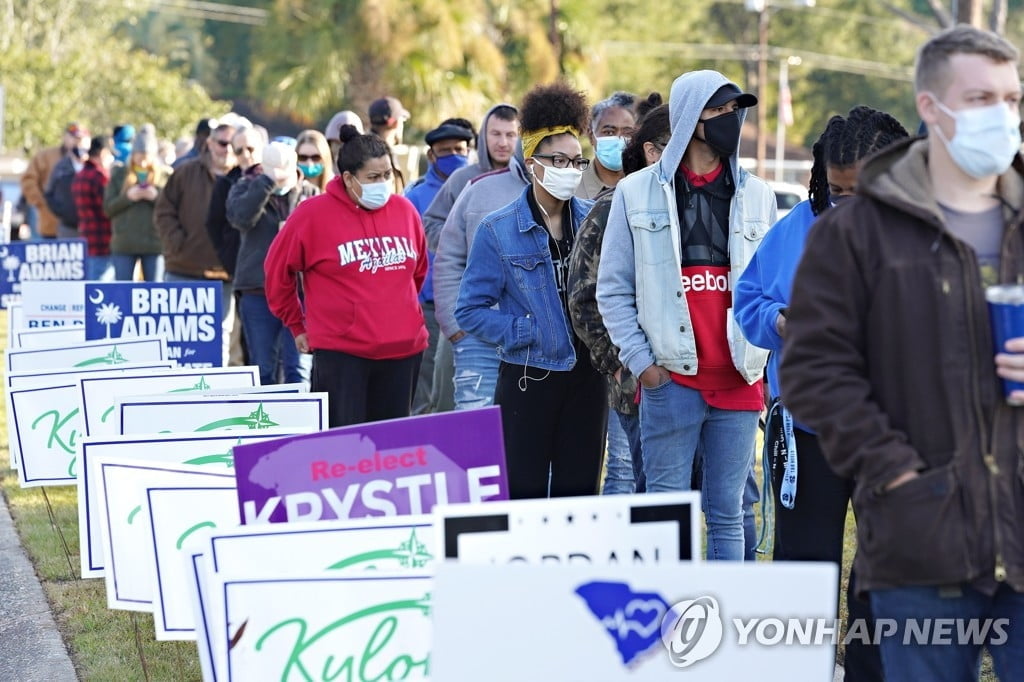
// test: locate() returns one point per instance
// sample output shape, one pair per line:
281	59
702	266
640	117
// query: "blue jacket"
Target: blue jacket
510	264
421	195
764	288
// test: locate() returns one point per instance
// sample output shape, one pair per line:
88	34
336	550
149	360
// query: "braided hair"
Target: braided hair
845	142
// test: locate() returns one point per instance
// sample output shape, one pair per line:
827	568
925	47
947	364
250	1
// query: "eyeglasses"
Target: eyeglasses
242	150
222	143
315	158
563	161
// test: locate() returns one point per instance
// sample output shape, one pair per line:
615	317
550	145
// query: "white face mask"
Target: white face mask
561	183
986	138
375	194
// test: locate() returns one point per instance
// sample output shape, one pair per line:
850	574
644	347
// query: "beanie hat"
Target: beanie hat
145	142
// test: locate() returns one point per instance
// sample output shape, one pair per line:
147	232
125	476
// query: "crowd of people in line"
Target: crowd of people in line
621	310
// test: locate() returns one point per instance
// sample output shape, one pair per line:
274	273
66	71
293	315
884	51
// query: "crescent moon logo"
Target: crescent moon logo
97	296
3	252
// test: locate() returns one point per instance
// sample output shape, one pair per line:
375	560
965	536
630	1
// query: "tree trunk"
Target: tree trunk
969	12
997	19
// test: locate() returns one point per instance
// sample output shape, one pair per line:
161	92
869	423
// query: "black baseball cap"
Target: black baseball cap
729	92
386	108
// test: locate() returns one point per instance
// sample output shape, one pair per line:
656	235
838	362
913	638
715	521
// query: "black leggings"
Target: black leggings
556	425
362	390
813	531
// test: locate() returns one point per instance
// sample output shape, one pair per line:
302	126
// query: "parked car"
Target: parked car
787	195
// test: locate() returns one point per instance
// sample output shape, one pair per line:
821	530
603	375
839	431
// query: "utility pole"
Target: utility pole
762	90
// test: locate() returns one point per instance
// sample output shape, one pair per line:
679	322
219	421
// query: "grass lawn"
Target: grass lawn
108	645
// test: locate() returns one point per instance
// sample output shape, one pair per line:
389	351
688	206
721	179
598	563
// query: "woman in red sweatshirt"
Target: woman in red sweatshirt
362	257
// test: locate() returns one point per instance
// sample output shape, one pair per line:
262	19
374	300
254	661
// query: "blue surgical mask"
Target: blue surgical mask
986	138
375	194
609	151
311	170
446	165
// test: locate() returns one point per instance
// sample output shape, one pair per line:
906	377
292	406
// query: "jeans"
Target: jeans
476	372
624	468
271	347
124	266
751	496
941	657
99	269
442	386
675	422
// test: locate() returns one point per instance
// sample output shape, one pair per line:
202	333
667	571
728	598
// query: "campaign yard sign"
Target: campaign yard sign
48	337
211	450
188	314
711	622
36	261
88	354
651	528
396	467
52	304
295	550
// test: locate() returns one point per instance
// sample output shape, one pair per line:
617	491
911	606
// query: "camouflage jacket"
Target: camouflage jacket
586	320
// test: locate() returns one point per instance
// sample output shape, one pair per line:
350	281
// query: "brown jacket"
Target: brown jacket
889	357
180	218
33	184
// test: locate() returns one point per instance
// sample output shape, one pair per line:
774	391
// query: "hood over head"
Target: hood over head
690	95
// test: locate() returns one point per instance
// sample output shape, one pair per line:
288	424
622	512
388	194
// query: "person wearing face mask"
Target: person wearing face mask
58	187
447	152
36	177
624	466
679	232
361	255
612	122
315	161
128	201
93	224
551	397
889	357
257	206
810	506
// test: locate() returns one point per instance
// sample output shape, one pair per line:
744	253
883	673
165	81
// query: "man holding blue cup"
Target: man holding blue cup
889	357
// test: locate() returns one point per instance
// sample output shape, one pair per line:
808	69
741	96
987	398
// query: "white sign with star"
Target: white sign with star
296	550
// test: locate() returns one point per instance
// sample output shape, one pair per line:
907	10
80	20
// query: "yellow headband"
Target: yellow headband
533	138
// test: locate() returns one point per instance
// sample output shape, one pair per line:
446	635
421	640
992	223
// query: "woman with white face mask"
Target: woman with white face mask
551	397
362	257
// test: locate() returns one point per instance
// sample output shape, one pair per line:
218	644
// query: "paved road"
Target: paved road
31	649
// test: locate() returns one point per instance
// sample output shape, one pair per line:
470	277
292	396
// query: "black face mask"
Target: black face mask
722	133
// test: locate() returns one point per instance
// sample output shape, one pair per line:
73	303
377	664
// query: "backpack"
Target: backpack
58	193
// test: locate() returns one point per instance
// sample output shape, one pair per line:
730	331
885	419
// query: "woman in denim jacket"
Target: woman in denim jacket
514	294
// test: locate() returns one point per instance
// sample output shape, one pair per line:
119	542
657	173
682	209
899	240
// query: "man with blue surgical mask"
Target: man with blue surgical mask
448	151
889	355
612	122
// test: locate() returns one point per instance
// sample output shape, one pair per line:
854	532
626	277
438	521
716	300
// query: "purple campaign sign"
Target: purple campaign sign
397	467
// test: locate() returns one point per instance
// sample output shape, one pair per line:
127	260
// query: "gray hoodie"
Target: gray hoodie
481	197
437	212
639	288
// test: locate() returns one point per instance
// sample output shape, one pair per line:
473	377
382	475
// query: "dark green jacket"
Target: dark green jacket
131	222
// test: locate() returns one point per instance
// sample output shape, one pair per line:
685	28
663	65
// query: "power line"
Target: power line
738	52
211	11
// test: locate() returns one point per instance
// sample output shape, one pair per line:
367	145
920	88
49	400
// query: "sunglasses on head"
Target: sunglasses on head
315	158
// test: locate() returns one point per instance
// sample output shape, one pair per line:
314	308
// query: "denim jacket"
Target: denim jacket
639	291
510	264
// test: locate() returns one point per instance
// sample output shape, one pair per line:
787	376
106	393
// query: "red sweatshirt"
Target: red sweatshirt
361	274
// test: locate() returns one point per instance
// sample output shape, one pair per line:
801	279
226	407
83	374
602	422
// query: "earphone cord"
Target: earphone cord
524	381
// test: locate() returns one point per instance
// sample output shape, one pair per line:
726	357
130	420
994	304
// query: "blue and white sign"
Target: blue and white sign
188	314
42	261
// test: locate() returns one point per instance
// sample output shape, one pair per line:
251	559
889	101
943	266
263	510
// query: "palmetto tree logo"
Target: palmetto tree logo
108	314
11	264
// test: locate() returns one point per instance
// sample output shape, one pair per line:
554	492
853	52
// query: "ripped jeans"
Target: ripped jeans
476	372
